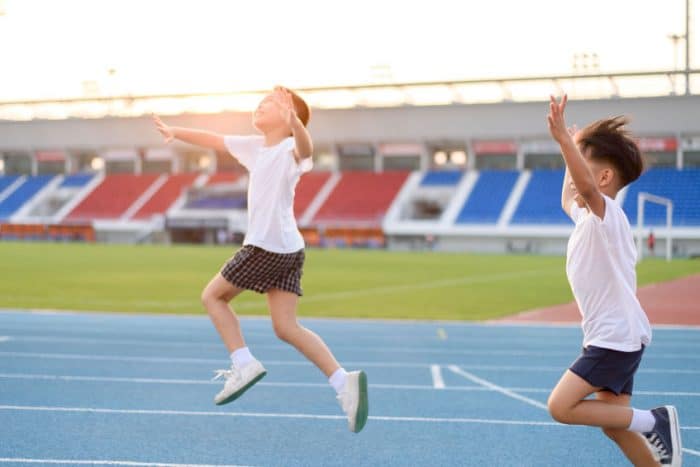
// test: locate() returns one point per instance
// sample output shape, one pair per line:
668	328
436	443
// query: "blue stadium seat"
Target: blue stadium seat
76	180
23	193
681	186
541	200
488	197
442	178
6	181
218	202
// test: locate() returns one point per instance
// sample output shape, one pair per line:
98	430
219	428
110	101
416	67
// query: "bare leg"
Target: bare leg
631	443
215	298
567	405
283	310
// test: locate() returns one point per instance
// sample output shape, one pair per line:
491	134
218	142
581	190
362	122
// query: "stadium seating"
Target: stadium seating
112	197
223	177
307	189
78	180
31	186
440	178
222	201
6	181
165	196
541	201
681	186
55	199
361	197
488	197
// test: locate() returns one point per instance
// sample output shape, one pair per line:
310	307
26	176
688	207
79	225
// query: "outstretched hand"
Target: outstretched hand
555	119
165	130
283	98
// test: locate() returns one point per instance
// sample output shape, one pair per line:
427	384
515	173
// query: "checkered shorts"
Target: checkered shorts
253	268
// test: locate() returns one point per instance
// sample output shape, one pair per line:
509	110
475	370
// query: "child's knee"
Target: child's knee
558	410
285	330
208	297
205	297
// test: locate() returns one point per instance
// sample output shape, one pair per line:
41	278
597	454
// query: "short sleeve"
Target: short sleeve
613	212
243	148
305	165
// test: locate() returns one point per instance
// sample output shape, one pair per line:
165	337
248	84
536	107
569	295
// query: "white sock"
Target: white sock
338	379
643	421
241	357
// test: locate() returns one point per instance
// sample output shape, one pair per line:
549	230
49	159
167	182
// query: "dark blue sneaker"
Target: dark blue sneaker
665	438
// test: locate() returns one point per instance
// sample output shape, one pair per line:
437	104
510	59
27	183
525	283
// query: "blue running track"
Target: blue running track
113	389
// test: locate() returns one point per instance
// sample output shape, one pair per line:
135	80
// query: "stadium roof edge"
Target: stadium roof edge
367	86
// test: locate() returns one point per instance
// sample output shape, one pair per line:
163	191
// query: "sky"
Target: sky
52	48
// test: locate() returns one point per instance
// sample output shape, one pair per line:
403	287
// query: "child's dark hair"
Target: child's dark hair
300	107
609	141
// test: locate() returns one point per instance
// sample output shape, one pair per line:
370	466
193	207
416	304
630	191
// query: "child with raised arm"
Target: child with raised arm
272	257
601	256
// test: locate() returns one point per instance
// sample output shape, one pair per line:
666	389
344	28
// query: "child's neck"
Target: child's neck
610	191
275	136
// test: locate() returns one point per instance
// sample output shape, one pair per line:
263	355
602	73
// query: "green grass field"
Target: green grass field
347	283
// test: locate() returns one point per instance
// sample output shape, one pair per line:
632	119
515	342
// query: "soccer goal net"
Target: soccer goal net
642	200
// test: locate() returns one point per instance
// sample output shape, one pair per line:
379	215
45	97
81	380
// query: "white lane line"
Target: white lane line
438	382
487	421
324	386
372	364
115	379
21	460
209	361
412	350
691	451
269	415
495	387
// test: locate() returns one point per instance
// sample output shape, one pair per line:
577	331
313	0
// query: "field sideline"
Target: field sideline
337	283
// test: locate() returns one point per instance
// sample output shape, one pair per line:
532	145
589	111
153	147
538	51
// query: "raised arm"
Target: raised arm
576	166
303	146
202	138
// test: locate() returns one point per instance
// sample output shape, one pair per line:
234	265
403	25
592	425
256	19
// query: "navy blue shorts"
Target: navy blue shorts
610	370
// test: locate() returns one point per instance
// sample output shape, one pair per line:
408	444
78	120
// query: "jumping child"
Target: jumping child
601	256
272	257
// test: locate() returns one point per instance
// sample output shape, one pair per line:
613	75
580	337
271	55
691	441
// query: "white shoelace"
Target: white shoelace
658	446
230	373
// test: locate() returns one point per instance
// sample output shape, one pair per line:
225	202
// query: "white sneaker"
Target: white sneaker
238	381
353	400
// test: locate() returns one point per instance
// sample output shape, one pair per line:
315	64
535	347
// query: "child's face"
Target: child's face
267	115
603	172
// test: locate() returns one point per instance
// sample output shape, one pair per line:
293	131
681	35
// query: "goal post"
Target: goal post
642	199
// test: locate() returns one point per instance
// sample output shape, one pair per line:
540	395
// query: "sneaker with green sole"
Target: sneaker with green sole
354	401
238	381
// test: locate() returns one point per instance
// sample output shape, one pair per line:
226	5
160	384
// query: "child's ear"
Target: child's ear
606	177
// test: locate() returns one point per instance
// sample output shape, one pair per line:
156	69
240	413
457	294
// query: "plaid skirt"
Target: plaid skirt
253	268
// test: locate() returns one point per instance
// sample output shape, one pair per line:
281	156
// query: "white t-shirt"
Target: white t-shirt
600	264
274	174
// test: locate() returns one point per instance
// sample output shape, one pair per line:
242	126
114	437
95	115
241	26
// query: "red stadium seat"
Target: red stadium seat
112	197
165	196
307	189
361	197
